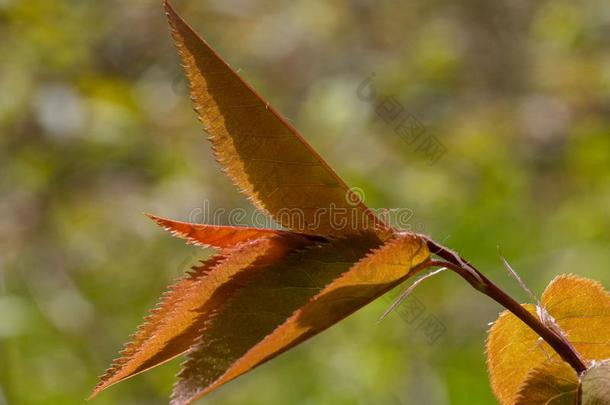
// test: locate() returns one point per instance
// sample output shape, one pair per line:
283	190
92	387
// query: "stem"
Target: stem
481	283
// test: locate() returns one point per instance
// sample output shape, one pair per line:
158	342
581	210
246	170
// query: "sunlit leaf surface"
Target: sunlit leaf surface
579	306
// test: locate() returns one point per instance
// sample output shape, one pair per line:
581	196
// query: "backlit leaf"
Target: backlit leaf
218	236
558	384
268	290
262	153
292	301
127	365
552	384
173	327
579	306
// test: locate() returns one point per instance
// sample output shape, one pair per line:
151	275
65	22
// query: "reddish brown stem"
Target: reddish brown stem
481	283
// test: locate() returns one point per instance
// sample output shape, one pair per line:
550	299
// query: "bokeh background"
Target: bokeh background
96	128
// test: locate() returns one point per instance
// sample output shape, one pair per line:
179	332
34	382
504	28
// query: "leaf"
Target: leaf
579	306
217	236
127	365
267	290
596	385
552	384
174	325
558	384
276	311
261	152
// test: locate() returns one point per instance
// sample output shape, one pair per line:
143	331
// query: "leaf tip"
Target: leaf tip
101	386
170	12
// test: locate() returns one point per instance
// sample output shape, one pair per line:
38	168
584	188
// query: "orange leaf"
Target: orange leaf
285	306
261	152
580	308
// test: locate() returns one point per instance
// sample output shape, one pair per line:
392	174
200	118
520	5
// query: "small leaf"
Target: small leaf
581	309
261	152
596	385
552	384
558	384
218	236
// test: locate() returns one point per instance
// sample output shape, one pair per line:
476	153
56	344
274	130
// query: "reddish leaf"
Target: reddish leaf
218	236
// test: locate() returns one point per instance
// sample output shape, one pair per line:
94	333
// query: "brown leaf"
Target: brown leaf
173	327
261	152
285	306
579	306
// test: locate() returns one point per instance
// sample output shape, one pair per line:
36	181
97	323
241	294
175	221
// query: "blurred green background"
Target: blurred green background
96	128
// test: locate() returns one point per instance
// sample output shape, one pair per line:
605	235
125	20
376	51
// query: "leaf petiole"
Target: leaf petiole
477	280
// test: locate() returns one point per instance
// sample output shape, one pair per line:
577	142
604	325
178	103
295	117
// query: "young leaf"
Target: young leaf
133	356
285	306
268	290
596	384
553	383
173	327
579	307
260	151
558	384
